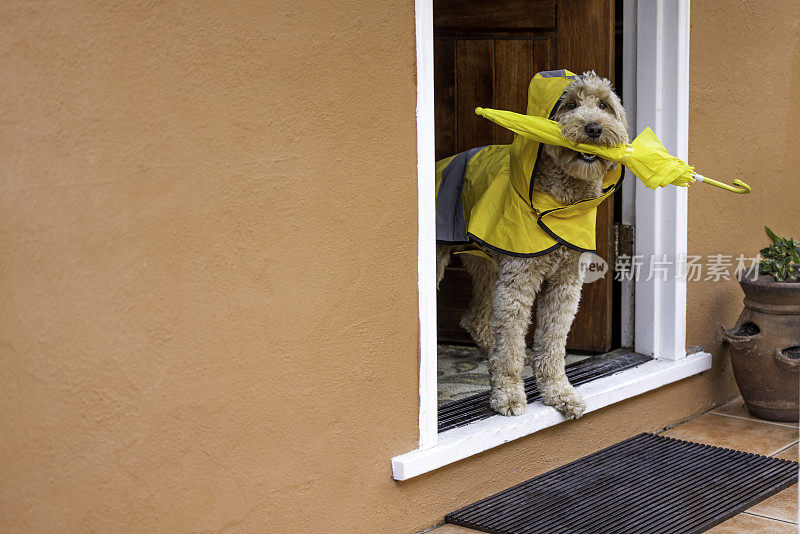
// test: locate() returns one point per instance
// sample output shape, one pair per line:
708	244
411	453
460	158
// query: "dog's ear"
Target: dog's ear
619	109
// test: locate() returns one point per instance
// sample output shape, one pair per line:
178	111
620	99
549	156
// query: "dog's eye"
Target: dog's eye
602	105
572	105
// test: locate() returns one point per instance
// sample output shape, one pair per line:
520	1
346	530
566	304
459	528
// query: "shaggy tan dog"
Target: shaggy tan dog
504	289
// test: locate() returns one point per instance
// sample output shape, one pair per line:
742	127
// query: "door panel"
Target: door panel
444	109
485	54
464	15
586	42
474	83
512	74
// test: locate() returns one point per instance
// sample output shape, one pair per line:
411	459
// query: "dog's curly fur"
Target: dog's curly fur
504	289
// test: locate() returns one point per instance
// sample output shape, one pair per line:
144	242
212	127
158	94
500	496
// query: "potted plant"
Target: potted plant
765	343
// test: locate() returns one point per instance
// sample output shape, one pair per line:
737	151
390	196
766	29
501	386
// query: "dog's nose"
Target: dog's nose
593	129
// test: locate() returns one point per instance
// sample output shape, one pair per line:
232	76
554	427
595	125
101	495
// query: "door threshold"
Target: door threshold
464	411
464	441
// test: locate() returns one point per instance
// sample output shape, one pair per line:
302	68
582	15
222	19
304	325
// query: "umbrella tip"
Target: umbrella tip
745	189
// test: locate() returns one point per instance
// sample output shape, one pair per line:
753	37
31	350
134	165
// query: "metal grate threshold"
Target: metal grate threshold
476	407
646	484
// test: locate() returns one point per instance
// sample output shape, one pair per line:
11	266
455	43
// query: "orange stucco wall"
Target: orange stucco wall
744	116
208	239
208	270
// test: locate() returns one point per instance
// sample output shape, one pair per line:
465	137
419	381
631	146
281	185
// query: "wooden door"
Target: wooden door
485	54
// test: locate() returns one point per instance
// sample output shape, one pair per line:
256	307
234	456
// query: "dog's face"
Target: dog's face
589	112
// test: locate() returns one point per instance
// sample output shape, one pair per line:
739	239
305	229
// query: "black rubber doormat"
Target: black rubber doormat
646	484
476	407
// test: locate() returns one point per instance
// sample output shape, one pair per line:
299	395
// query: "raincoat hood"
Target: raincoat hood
485	196
543	93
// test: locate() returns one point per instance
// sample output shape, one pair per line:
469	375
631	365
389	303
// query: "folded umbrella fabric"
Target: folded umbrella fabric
646	156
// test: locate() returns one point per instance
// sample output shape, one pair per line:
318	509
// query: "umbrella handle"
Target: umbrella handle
741	187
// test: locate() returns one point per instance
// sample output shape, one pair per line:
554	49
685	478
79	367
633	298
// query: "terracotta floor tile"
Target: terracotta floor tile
751	524
780	506
733	433
788	454
452	529
737	408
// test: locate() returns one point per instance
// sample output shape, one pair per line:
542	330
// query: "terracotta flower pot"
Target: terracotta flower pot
765	347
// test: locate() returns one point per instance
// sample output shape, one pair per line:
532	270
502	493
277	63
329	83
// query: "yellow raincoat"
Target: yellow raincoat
486	195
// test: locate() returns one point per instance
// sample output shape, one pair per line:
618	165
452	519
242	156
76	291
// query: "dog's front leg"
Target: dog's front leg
478	318
555	311
515	290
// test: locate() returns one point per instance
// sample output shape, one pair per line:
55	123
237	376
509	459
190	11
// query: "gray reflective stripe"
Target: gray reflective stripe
559	74
553	73
450	224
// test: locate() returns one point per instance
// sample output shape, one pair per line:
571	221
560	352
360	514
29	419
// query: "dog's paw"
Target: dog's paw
566	400
509	400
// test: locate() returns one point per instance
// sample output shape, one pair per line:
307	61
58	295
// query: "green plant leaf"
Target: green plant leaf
781	259
771	234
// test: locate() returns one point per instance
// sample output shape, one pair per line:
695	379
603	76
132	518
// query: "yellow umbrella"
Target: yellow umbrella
646	156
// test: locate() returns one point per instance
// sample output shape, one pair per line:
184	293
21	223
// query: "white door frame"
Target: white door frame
657	73
662	102
426	241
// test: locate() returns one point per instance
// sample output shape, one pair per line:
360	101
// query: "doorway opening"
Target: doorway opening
485	54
